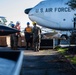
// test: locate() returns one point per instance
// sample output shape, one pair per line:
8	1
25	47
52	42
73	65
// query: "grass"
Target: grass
71	57
73	60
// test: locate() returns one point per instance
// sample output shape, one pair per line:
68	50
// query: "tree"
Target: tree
72	4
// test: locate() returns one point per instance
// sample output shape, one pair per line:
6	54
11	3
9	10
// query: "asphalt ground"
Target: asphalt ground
45	62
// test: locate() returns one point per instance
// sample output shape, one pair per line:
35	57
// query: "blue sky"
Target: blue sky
13	10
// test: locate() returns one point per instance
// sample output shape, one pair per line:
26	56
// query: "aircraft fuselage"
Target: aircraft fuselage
54	14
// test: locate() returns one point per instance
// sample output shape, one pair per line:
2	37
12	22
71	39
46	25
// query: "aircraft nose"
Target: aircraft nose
4	30
27	10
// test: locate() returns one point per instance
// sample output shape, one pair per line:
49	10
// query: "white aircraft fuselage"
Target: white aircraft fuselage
54	14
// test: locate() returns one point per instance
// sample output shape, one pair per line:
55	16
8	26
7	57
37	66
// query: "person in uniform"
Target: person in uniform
10	24
12	38
28	36
17	35
36	36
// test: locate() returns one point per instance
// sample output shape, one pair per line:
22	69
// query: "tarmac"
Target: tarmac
44	62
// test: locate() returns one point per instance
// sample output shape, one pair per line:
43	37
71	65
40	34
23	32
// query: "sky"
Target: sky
13	10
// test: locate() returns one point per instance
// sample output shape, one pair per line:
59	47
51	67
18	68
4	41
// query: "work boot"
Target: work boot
37	50
15	48
11	47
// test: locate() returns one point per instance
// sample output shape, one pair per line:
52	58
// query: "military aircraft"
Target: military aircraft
5	30
54	14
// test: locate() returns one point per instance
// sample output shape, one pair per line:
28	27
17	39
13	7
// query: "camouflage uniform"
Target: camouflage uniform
12	38
36	37
17	35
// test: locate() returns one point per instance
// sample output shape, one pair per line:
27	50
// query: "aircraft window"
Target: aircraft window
3	20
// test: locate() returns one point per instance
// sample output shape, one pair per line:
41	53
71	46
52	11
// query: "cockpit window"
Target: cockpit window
3	20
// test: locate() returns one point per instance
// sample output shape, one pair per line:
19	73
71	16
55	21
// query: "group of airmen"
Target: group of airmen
14	37
32	36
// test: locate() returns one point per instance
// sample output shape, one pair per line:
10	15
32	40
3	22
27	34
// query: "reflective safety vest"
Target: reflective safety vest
28	29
